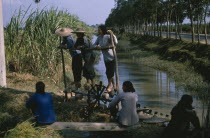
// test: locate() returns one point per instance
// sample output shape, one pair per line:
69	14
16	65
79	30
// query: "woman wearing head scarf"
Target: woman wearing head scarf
181	117
128	98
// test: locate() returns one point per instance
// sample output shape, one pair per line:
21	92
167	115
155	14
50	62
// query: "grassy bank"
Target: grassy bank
197	55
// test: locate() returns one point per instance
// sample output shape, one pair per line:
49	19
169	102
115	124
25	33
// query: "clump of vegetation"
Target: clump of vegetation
13	110
27	129
147	131
5	118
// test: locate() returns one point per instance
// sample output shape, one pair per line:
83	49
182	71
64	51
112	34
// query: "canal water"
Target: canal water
155	89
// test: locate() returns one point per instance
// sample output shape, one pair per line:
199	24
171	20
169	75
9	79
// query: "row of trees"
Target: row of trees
156	16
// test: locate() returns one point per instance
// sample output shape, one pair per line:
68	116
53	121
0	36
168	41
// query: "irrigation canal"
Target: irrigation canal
155	89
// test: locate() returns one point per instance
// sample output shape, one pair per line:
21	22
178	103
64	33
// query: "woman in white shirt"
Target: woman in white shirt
104	40
127	115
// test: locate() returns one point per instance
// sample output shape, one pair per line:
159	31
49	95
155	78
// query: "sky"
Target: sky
90	11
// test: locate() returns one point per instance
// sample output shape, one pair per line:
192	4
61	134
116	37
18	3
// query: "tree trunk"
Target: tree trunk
170	23
205	25
161	28
2	51
198	29
146	28
158	31
169	28
154	29
151	29
191	22
133	28
167	35
140	28
192	29
126	28
136	27
179	29
176	28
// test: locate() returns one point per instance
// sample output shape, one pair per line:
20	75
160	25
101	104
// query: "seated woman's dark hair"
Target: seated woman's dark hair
103	29
40	87
186	102
128	86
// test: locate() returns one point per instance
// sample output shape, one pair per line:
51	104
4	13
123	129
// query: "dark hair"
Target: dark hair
186	102
80	34
64	40
128	86
103	29
40	87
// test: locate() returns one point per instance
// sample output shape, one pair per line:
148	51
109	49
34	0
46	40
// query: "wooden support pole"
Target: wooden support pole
2	51
116	63
64	72
101	48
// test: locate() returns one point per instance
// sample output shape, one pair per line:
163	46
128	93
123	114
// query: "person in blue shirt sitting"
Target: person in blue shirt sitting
41	104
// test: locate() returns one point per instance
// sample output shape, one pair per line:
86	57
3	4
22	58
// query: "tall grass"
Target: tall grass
31	41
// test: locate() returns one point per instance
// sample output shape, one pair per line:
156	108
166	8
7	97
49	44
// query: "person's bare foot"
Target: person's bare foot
115	88
109	89
87	84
